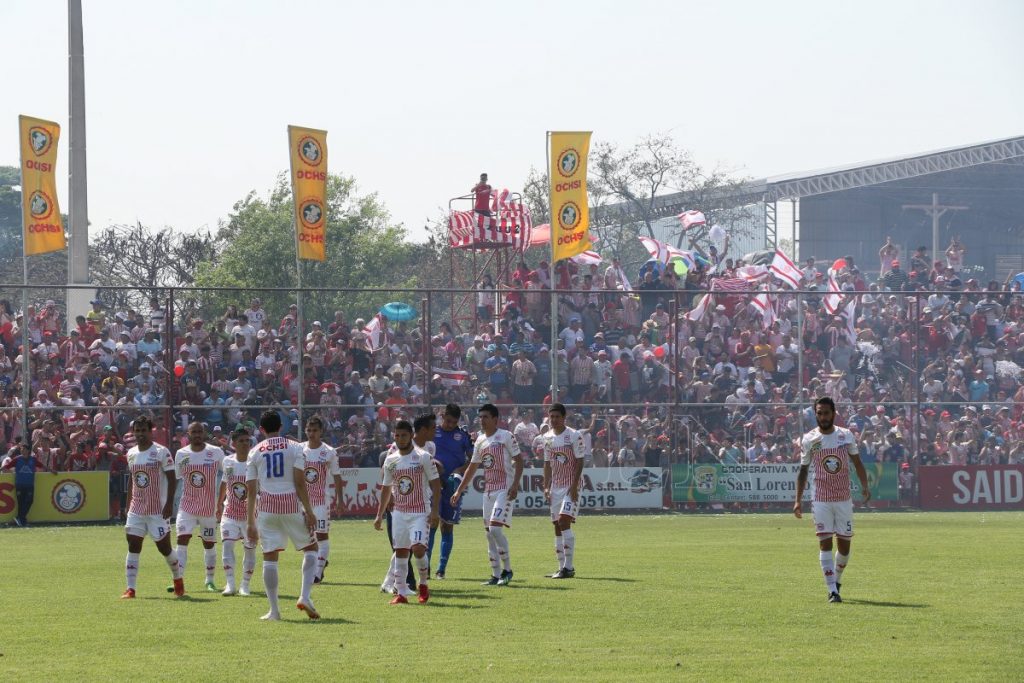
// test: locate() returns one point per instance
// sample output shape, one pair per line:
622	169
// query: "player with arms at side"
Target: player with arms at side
197	466
497	452
454	448
409	473
321	467
150	503
564	450
830	450
276	473
233	494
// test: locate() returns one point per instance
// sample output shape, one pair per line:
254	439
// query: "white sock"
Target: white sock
174	564
828	569
210	555
492	554
503	549
182	553
399	569
422	568
131	569
389	578
308	574
569	547
228	555
841	562
270	584
560	552
248	566
322	556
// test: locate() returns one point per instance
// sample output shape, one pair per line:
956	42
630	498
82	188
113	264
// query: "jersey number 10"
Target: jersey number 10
275	464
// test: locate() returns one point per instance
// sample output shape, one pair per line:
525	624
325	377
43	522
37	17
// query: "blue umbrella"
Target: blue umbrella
1019	277
398	311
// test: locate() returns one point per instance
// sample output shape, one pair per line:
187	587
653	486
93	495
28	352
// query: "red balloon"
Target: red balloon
179	370
659	352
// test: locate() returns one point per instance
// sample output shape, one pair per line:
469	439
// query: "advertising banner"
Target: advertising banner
44	228
570	213
602	488
308	153
768	483
61	497
972	487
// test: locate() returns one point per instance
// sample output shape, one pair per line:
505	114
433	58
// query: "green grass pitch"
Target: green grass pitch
933	597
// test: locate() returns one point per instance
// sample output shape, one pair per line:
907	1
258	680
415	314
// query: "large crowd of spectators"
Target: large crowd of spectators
928	372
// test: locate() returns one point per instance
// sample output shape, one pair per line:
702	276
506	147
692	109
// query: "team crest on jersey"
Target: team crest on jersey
487	462
311	475
238	490
229	471
405	485
816	446
197	479
832	464
142	479
560	457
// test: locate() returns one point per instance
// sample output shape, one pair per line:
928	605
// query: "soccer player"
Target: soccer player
830	449
454	447
409	473
321	465
497	452
232	521
276	472
564	450
423	428
151	501
197	466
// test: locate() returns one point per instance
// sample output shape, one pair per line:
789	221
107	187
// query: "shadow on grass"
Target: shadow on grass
451	605
615	579
187	597
323	620
560	586
883	603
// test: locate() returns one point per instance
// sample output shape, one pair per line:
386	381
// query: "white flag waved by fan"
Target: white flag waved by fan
691	218
701	309
784	269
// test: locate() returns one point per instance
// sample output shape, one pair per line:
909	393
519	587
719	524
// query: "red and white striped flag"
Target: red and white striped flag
701	309
729	284
834	297
784	269
753	273
691	218
851	319
374	332
588	258
451	378
660	251
763	303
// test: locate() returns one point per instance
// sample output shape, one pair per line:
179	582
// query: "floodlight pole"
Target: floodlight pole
78	212
935	210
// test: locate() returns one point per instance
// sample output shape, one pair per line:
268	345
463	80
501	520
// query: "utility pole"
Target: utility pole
935	210
78	213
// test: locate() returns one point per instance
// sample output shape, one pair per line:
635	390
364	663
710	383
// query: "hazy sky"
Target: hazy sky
188	101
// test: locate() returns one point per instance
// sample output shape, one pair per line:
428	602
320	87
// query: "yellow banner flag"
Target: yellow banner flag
40	215
308	151
570	215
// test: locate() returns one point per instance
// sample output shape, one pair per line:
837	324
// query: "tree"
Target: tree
256	250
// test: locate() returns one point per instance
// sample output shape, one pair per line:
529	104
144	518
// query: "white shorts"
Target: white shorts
186	524
323	518
833	518
234	530
498	508
140	525
563	504
408	529
276	529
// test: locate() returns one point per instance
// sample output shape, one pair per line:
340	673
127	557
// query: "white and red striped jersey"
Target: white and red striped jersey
234	480
321	468
563	451
272	464
828	457
409	477
494	455
149	485
197	472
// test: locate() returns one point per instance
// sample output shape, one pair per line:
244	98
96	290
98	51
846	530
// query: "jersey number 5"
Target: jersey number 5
275	464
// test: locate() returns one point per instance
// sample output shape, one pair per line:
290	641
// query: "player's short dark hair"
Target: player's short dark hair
422	421
403	426
239	431
270	421
826	401
315	421
144	420
490	409
453	410
557	408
